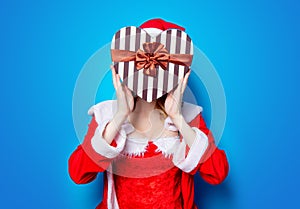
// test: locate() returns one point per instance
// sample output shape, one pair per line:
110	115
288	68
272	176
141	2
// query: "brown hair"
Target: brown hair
160	104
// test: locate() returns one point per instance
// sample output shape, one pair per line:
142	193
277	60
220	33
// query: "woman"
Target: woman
149	151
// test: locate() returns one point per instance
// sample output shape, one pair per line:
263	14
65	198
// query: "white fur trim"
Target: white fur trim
138	146
103	110
189	111
188	163
153	31
103	113
112	201
135	147
103	148
167	145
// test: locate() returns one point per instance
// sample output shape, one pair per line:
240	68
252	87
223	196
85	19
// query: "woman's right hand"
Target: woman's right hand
125	99
125	103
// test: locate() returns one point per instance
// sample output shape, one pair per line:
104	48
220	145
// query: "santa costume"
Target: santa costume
147	174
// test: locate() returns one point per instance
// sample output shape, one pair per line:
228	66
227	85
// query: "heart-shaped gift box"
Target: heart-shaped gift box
148	65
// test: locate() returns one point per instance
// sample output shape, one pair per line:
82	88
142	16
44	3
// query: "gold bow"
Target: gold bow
154	55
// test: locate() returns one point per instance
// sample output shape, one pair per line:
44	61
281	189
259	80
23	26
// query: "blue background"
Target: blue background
254	46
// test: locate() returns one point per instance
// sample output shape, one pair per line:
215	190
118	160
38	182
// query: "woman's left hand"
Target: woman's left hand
174	98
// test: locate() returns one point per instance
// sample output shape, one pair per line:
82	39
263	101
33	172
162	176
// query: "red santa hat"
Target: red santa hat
156	26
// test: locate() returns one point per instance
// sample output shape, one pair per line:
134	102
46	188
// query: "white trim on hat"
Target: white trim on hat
153	31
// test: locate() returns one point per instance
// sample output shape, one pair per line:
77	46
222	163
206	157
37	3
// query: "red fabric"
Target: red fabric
150	164
151	192
213	168
160	24
82	168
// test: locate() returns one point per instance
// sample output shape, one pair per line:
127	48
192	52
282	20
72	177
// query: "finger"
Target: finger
179	84
185	81
175	93
127	90
118	80
112	68
179	87
170	96
114	77
188	75
129	94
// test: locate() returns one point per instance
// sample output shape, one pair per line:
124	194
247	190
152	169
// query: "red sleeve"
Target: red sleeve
213	165
84	163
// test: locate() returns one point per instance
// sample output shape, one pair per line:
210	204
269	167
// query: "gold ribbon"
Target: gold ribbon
154	54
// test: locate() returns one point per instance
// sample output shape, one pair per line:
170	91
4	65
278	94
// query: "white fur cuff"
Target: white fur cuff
196	151
102	147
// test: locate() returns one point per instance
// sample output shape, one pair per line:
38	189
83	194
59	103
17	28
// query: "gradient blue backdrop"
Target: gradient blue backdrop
254	46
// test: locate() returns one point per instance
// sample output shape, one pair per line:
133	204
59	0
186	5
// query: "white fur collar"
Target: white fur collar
138	146
106	109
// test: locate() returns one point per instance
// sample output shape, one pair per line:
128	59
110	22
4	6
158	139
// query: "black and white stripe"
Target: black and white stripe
147	87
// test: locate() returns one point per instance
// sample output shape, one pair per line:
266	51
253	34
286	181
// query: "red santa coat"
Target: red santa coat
95	155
